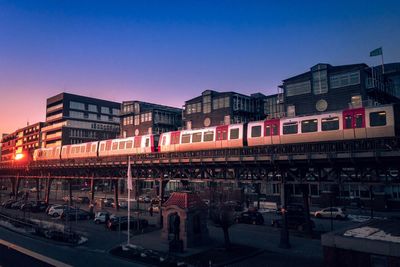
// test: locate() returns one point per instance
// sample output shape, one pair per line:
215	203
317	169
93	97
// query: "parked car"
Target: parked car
250	217
56	210
100	217
107	202
3	187
331	212
66	198
33	190
75	214
7	204
295	221
34	206
117	223
17	205
83	189
236	205
145	199
156	209
83	200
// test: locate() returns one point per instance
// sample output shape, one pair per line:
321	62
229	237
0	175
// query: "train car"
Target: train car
263	132
50	153
224	136
129	146
83	150
380	121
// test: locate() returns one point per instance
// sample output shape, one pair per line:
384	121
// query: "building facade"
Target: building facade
140	118
21	142
73	119
217	108
329	88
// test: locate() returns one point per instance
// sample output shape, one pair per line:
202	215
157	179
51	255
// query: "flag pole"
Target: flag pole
383	67
129	181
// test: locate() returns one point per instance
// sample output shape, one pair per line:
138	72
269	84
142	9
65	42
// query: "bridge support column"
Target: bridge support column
37	189
17	184
12	182
284	241
161	192
116	182
306	199
185	184
91	194
48	187
70	192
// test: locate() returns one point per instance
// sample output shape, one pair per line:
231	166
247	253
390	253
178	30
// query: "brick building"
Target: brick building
140	118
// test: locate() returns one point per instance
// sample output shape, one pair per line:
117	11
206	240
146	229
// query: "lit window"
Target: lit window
377	118
290	128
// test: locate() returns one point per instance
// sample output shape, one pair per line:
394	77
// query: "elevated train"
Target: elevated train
358	123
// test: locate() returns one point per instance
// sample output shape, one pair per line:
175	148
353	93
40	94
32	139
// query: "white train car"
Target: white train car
128	146
50	153
83	150
224	136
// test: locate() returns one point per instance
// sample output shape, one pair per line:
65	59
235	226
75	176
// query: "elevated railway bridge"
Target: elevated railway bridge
366	161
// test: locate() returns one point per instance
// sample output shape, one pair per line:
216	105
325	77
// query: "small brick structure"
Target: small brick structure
192	212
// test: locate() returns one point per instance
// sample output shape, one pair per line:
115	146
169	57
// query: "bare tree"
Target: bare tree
223	216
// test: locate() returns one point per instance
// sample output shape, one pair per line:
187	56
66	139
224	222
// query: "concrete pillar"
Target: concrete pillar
92	194
284	240
70	192
48	187
306	195
17	183
13	182
116	194
38	189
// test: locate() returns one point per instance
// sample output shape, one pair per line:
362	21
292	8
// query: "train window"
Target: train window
359	120
309	126
256	131
377	118
185	138
164	140
115	146
94	148
268	130
102	147
121	145
175	138
196	137
147	143
274	129
208	136
347	121
82	149
234	134
290	128
129	144
330	124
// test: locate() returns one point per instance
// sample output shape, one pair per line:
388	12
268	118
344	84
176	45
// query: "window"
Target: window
330	124
298	88
309	126
268	130
290	128
164	141
234	134
138	141
359	120
256	131
206	104
76	114
274	129
137	119
92	108
347	121
345	79
320	82
196	137
105	110
122	145
175	138
185	138
82	149
208	136
221	102
377	118
115	111
104	118
76	105
147	143
115	146
129	144
92	116
193	108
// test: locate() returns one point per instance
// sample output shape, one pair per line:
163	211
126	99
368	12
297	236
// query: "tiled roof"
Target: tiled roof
185	200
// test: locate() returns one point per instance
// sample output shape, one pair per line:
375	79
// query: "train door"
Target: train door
271	132
354	123
175	141
221	137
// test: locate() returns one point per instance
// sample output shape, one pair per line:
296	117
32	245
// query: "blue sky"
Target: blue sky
170	51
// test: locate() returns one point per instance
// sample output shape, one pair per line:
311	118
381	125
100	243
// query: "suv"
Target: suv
296	218
332	212
33	206
75	214
116	223
100	217
250	217
56	210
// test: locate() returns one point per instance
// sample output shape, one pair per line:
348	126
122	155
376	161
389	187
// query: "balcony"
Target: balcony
54	108
54	117
54	126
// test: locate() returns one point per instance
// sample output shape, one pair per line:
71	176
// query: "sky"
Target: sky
167	52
